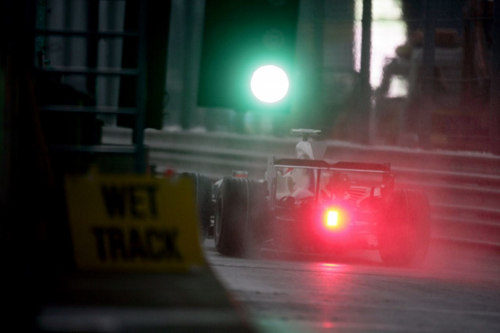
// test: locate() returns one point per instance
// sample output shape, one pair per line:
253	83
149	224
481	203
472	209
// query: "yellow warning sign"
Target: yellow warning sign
133	223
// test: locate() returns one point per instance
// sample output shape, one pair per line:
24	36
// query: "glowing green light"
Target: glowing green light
269	84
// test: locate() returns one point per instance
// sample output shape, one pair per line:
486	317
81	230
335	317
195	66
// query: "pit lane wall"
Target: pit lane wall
463	187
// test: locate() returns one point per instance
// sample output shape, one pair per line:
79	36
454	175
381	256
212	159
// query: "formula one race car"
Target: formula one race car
310	205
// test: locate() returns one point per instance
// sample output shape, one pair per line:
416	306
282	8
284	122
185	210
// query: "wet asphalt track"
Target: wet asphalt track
456	290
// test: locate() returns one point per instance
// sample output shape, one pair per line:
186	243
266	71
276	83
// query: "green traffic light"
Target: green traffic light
269	84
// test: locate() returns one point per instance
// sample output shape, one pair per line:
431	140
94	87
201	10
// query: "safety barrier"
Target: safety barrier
463	187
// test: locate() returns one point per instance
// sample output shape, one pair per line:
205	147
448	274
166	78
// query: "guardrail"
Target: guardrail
463	187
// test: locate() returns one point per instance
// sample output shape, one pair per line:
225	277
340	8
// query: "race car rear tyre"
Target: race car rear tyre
404	230
238	215
204	204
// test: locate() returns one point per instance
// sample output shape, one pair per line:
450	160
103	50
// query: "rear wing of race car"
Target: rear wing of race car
341	166
381	167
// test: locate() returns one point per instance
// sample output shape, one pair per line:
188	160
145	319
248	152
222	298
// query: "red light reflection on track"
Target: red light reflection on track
333	283
328	267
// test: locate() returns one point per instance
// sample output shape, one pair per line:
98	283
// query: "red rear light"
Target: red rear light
334	219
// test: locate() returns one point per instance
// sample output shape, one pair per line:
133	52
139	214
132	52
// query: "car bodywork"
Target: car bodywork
340	207
306	204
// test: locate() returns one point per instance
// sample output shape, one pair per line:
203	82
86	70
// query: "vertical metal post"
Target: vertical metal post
495	82
196	40
92	45
310	56
365	109
4	149
318	64
188	94
138	134
427	79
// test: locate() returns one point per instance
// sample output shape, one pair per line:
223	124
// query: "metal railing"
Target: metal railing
90	72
